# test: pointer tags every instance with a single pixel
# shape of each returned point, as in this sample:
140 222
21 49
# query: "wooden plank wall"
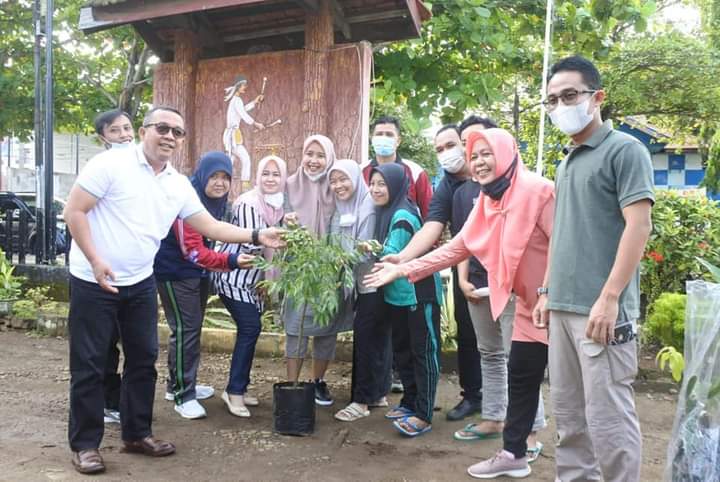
347 103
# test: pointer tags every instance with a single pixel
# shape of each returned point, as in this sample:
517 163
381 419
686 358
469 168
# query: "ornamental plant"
666 321
313 273
684 228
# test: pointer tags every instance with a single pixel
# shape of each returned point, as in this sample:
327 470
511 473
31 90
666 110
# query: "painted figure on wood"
237 113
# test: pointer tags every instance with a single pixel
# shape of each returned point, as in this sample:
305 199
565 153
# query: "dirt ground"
33 422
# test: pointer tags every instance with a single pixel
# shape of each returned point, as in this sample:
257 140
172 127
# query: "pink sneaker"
504 463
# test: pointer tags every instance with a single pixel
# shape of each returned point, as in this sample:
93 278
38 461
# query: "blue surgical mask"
383 145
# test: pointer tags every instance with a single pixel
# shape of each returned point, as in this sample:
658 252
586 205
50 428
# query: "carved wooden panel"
347 90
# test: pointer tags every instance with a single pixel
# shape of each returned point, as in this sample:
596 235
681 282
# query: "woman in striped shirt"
256 209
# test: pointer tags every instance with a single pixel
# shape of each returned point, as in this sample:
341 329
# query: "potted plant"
313 272
9 285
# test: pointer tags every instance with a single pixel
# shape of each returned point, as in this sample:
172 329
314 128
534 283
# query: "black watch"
255 236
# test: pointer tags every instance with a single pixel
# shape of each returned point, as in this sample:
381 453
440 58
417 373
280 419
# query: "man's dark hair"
576 63
104 119
472 120
448 127
386 119
149 114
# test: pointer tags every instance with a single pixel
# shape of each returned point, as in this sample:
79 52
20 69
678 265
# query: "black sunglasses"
162 129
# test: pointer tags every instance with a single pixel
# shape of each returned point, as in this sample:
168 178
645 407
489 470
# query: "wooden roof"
234 27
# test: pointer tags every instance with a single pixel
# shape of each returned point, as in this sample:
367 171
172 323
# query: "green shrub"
666 322
684 228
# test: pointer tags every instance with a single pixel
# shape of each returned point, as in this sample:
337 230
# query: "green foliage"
684 228
35 300
9 283
714 270
673 359
666 321
25 310
312 273
91 73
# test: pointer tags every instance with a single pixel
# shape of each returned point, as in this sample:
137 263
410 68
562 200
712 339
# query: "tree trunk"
319 38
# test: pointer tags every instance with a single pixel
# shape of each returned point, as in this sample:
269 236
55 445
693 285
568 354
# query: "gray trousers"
184 306
593 403
494 339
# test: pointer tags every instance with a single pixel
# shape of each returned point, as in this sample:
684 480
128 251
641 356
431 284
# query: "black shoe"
322 394
396 386
464 409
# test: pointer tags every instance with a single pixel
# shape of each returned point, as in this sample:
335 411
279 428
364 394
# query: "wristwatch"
542 290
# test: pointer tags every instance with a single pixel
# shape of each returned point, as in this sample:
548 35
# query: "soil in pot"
294 408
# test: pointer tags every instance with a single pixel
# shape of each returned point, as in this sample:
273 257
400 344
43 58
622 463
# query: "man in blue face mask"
385 141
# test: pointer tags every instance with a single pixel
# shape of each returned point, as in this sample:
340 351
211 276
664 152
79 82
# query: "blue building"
675 166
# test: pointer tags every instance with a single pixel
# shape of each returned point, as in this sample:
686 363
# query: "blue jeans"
247 319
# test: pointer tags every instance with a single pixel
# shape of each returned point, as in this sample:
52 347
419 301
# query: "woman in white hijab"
354 221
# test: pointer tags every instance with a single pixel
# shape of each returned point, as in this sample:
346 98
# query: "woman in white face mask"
256 209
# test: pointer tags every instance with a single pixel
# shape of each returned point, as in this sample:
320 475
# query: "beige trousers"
593 403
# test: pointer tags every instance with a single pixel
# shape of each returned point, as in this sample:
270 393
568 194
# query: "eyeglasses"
569 97
162 129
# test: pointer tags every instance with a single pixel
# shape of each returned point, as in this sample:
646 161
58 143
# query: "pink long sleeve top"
528 278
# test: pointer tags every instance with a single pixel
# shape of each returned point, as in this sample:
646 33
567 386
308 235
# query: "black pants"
416 348
93 312
468 356
372 350
184 303
525 375
112 382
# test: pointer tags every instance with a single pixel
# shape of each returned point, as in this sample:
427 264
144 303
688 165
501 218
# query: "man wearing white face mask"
385 141
115 130
590 294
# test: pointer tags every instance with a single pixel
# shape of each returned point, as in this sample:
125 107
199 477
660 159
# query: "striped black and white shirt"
239 284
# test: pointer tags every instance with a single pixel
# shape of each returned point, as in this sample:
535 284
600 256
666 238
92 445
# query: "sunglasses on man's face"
163 129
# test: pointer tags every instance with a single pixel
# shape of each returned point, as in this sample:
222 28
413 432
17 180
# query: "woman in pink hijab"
311 199
509 232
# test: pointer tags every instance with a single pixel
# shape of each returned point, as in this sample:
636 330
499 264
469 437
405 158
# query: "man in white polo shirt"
119 210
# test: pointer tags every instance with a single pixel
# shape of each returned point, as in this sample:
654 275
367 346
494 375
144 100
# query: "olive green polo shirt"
597 179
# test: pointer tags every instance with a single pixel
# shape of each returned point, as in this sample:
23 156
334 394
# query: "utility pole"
38 128
49 224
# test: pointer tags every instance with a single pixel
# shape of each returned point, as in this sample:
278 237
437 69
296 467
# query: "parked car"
25 201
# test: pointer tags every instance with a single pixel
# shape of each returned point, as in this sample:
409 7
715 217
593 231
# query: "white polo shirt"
134 212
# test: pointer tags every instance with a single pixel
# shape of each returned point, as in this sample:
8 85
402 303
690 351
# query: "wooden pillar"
180 95
319 39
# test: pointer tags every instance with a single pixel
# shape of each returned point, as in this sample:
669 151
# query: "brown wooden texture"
180 93
347 99
319 39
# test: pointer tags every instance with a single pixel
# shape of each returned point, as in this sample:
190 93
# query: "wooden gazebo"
314 55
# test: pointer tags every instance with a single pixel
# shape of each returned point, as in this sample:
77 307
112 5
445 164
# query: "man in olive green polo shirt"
591 295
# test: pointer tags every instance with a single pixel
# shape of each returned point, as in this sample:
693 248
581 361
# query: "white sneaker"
504 463
191 409
202 392
111 416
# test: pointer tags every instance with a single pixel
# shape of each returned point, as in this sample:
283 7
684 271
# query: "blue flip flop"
416 430
404 412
